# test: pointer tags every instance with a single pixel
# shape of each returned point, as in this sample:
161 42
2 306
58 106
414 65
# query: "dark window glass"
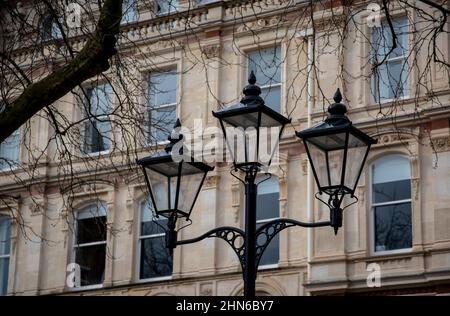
5 248
90 246
268 208
92 264
272 253
391 184
155 258
393 227
91 230
392 191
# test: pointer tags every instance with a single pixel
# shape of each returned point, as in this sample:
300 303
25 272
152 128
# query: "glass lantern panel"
318 163
168 169
243 120
268 121
159 189
355 158
334 165
329 142
242 144
189 186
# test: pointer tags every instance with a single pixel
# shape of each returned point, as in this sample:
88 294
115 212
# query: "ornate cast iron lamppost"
175 184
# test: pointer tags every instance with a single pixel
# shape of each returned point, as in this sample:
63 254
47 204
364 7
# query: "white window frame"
372 206
100 117
8 256
266 220
156 108
75 246
266 87
138 252
14 166
404 57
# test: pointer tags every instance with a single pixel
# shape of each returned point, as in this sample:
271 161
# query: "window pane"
162 88
382 39
5 235
390 79
97 127
268 205
393 227
391 179
272 253
91 230
9 150
155 258
161 123
148 221
391 168
4 270
391 191
92 264
272 97
266 64
91 224
96 137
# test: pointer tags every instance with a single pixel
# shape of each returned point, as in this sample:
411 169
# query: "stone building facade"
406 234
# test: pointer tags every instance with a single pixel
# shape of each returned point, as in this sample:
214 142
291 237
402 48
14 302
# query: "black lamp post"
337 152
175 184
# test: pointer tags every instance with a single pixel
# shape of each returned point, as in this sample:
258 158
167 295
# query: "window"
5 248
268 209
129 11
389 80
50 29
162 90
266 64
155 259
391 203
90 244
166 6
9 151
97 126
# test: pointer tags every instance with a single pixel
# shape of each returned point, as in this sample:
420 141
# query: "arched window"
391 204
154 258
90 243
5 250
268 209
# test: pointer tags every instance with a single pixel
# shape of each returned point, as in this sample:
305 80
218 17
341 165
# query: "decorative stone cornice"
441 144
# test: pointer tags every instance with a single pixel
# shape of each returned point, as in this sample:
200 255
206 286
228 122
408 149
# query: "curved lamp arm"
230 234
270 229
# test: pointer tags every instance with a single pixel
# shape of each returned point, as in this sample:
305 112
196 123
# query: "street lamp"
337 151
246 127
174 184
174 178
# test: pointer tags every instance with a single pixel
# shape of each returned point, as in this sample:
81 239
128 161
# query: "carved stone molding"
387 139
441 144
211 182
211 50
261 24
206 289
